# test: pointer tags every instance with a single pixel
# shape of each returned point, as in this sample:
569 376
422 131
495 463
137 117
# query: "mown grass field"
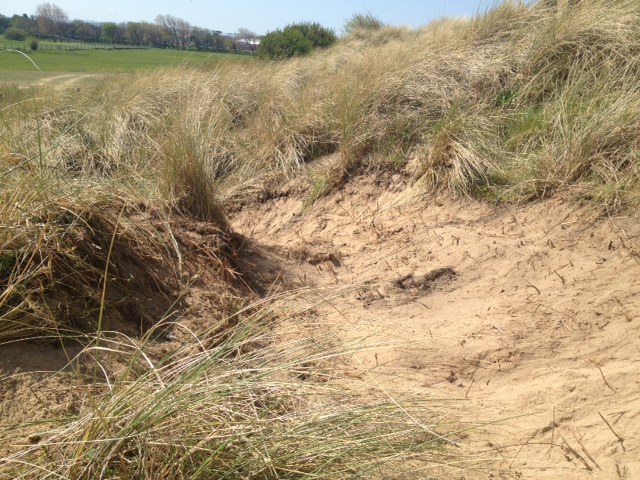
16 68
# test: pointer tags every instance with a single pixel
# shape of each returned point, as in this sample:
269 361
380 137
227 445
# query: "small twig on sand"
569 449
631 247
561 277
620 439
533 286
466 394
582 447
605 380
624 311
518 453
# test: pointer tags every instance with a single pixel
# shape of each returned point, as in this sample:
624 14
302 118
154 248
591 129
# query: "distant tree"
52 20
134 33
142 33
5 22
120 29
218 40
153 34
205 39
24 22
249 39
86 31
13 33
199 38
74 29
285 43
109 30
295 39
178 30
229 44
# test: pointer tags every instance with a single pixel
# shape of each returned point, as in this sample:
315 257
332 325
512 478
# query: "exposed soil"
161 268
528 316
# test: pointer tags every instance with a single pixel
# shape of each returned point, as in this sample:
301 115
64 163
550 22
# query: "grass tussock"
209 411
82 209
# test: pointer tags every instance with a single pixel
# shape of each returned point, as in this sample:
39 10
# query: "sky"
259 16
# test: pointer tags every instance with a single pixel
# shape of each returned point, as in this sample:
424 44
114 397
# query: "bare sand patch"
528 315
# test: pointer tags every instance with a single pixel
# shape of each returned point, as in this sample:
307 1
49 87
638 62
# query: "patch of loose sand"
52 80
529 315
68 80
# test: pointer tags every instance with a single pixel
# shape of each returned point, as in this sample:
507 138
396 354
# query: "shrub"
15 34
33 44
284 44
318 35
295 39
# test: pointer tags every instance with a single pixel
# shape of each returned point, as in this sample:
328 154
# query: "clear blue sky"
257 15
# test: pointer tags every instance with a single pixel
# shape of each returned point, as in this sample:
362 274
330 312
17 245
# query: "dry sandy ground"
61 81
67 80
527 316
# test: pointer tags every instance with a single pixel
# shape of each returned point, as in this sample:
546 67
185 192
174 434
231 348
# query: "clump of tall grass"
88 199
91 256
460 152
238 405
362 21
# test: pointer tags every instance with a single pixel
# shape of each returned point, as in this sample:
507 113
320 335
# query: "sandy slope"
529 315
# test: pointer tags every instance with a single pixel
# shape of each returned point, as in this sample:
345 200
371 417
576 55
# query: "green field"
16 68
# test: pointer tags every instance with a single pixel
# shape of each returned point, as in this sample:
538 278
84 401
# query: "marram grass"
247 404
445 99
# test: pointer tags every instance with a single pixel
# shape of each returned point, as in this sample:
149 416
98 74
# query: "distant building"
247 44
